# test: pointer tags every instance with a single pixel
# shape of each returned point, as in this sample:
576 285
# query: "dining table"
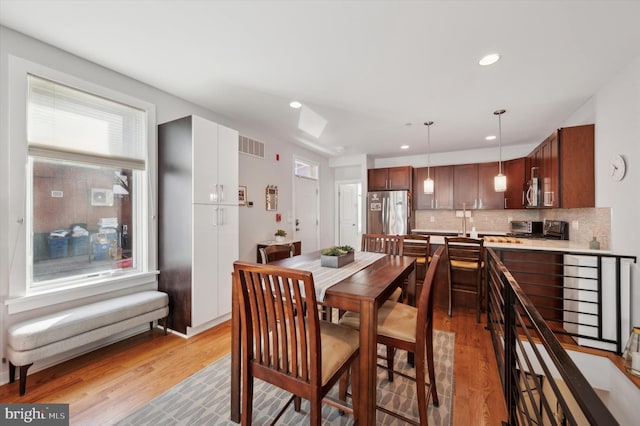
357 289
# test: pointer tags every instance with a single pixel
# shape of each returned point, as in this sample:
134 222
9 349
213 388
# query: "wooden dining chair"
465 258
288 347
417 246
276 252
409 328
389 244
382 243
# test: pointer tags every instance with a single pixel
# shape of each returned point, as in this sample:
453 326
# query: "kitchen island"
537 264
437 238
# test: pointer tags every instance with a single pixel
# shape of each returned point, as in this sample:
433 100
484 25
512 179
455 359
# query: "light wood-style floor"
106 385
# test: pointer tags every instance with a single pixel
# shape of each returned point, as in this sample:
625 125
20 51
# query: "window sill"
47 298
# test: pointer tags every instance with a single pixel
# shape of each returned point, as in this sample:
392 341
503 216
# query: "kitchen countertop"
522 244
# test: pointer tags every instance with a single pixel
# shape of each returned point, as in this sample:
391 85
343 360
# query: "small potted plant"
280 234
337 256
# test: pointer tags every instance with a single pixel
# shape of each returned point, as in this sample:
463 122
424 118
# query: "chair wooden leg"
478 295
391 351
355 381
247 398
315 410
420 388
450 291
431 368
343 385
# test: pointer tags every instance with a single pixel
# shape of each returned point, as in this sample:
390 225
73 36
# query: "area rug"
204 398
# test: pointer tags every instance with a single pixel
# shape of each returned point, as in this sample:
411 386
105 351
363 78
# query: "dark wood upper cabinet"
577 166
565 162
443 187
488 198
442 197
390 178
465 186
514 171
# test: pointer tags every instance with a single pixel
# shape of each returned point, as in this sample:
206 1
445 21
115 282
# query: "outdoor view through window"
81 219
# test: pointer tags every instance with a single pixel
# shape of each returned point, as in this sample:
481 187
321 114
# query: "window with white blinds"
67 123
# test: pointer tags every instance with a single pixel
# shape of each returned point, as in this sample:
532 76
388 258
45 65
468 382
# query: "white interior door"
306 219
349 208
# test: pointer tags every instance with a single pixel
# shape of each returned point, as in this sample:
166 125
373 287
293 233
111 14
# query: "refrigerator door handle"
384 214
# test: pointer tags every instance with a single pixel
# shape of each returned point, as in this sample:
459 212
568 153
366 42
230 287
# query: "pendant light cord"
428 124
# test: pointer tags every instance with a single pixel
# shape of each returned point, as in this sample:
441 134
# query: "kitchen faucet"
464 219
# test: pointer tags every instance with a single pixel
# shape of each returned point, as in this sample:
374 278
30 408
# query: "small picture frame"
242 195
101 197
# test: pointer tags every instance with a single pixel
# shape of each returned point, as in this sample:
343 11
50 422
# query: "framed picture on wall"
101 197
242 195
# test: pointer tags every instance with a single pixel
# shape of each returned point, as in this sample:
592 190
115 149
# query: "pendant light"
428 182
500 180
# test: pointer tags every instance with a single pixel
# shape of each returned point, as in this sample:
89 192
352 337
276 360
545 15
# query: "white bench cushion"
58 326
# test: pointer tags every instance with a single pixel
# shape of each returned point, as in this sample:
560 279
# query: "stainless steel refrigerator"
389 212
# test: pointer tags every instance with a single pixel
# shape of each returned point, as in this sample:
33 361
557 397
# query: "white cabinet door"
204 296
228 165
227 254
205 160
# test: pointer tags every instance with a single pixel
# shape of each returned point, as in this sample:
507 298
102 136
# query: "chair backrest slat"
382 243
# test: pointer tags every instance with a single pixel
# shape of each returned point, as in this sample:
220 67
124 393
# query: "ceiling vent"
251 147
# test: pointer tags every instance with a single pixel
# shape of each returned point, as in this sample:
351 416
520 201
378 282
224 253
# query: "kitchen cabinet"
442 197
577 166
465 186
473 186
514 170
566 164
488 198
390 178
198 230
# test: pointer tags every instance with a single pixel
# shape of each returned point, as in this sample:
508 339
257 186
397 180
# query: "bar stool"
418 246
383 243
465 256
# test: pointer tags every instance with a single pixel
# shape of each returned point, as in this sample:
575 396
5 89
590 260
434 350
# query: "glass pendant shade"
500 183
500 180
428 182
428 186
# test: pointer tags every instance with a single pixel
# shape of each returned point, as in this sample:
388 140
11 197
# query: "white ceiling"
367 67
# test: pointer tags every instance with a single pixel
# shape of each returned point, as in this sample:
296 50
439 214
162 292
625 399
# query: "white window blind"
66 123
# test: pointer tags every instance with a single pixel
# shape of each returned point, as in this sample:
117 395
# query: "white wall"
617 113
256 223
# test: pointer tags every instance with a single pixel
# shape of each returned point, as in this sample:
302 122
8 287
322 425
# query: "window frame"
21 296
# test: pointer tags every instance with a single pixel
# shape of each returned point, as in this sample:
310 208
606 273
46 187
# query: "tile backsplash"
584 223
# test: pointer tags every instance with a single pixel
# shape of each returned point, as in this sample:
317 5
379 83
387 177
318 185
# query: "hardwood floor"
104 386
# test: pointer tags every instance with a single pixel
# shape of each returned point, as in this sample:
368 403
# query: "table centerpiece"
337 256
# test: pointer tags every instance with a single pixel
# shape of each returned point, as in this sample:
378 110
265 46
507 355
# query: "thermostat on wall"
56 194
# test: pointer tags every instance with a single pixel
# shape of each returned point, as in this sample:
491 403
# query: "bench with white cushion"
52 334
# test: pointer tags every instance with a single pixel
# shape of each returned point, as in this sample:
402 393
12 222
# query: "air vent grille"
250 146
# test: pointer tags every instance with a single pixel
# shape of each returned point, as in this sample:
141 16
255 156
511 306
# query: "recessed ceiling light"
489 59
404 147
490 138
295 104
